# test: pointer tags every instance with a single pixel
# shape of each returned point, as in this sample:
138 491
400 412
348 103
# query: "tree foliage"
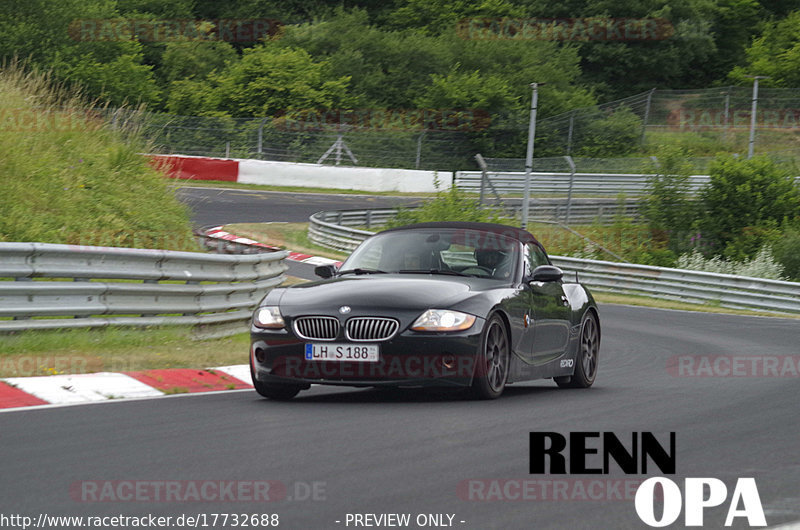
745 203
669 207
403 53
776 53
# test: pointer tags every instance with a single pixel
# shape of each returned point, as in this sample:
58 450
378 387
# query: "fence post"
484 167
260 149
419 149
647 113
569 134
569 191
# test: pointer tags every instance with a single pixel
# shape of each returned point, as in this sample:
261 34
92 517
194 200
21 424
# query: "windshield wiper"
361 271
432 271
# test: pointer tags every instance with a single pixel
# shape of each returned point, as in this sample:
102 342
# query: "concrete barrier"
272 173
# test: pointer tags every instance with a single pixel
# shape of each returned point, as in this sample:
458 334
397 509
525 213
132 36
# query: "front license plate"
360 353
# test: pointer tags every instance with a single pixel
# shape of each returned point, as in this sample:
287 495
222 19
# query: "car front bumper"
409 359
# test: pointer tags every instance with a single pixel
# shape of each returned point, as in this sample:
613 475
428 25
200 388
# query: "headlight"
268 317
443 320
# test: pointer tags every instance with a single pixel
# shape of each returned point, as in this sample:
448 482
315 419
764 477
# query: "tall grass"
69 175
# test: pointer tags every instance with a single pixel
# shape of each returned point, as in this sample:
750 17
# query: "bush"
787 252
669 208
744 203
616 134
449 205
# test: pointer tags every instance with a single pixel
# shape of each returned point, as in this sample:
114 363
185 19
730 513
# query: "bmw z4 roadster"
472 305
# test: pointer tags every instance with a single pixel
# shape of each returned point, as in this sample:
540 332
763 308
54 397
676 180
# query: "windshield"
436 251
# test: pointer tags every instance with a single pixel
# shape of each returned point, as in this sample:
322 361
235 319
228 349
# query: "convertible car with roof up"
473 305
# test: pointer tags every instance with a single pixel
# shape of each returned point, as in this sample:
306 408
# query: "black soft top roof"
509 231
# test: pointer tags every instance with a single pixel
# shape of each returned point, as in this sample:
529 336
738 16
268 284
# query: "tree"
775 54
195 60
63 37
268 81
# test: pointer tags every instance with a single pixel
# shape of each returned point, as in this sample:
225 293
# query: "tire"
277 392
493 359
587 358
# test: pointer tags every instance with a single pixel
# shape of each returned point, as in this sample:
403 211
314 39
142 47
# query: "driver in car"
496 261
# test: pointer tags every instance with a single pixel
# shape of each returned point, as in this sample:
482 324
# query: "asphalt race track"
218 205
407 452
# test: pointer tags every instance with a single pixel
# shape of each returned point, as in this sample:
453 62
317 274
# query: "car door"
550 310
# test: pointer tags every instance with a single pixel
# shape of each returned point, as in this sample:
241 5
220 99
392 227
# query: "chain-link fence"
632 165
720 119
709 120
261 138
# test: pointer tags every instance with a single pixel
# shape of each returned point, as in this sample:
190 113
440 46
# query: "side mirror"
325 271
547 273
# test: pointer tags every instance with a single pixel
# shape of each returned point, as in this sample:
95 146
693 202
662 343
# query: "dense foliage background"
400 53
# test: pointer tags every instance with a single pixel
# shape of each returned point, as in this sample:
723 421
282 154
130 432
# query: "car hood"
379 293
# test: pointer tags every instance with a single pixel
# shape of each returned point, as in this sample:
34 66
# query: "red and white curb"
218 233
16 392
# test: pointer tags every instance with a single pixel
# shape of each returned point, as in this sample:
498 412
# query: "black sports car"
476 305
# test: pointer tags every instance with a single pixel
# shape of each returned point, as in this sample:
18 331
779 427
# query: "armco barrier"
725 290
738 292
102 286
631 185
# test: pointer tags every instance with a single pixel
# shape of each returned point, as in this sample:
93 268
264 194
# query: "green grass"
289 236
68 176
115 349
712 142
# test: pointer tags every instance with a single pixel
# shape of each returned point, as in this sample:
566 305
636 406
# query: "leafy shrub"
617 134
448 205
669 208
745 202
787 252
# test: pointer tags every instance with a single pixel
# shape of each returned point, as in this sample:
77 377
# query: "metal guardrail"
333 229
633 185
737 292
50 286
725 290
580 211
